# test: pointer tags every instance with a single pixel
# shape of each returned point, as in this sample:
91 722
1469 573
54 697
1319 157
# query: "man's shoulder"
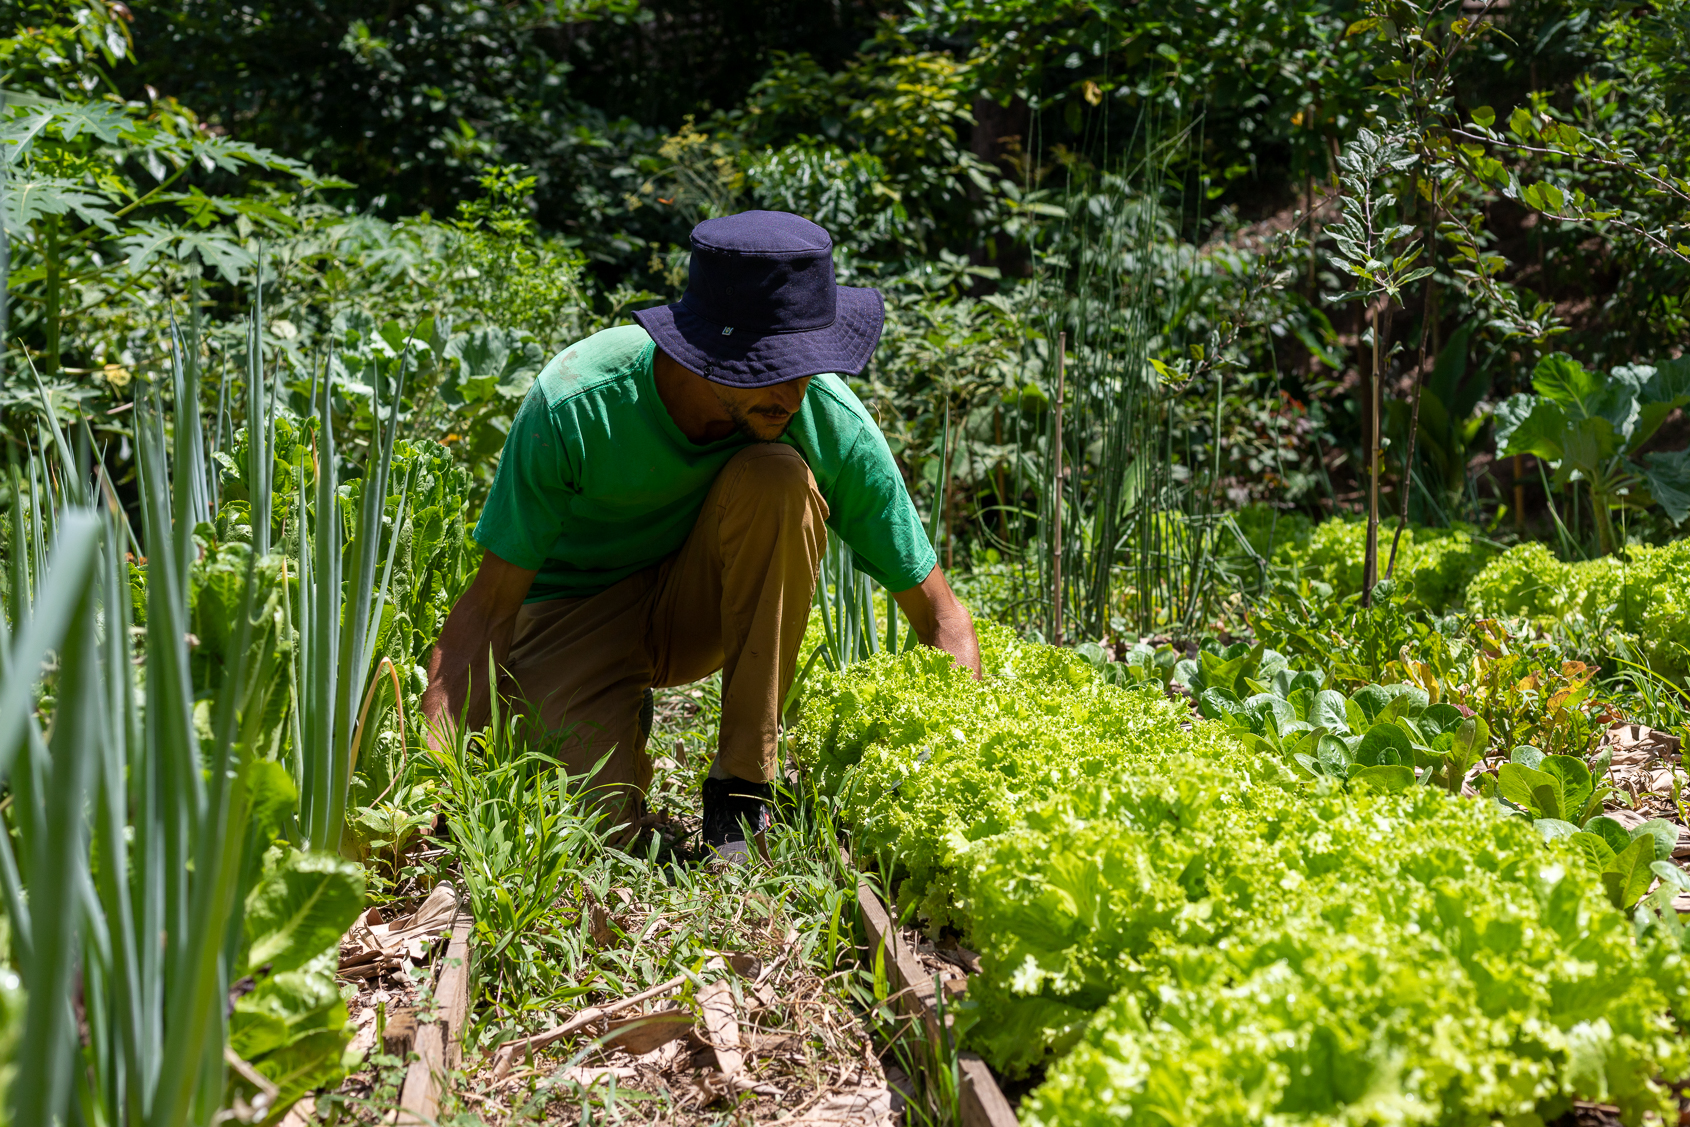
594 363
839 409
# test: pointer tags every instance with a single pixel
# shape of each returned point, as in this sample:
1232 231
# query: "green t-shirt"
597 482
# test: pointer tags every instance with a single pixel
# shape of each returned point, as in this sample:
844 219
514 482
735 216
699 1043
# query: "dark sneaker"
731 805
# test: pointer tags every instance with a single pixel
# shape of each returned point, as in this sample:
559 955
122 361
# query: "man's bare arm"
940 619
482 620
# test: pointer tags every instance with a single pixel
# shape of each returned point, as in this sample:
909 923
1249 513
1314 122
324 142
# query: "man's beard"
745 423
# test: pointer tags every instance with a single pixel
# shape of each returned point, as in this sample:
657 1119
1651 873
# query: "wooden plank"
439 1043
983 1102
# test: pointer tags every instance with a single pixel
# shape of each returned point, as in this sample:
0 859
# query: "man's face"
762 413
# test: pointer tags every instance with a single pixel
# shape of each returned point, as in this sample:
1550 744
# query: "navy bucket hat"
762 307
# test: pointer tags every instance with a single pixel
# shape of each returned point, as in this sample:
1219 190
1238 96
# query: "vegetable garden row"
1330 902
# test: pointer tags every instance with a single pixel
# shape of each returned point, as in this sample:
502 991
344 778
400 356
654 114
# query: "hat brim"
744 359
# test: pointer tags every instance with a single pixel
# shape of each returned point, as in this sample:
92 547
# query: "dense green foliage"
1433 565
925 760
1642 593
1352 954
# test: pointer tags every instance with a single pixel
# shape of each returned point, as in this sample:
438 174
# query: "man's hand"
940 619
482 621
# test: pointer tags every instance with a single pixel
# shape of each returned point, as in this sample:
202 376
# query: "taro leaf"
1553 829
1385 743
1526 755
1668 475
1671 874
301 907
1328 709
1609 831
1596 849
1536 792
1441 718
1530 424
1220 704
1664 833
1576 784
1628 876
1389 777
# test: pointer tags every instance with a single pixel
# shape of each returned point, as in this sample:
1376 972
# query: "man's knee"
770 469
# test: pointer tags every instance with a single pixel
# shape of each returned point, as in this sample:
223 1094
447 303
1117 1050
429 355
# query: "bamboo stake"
1370 568
1056 493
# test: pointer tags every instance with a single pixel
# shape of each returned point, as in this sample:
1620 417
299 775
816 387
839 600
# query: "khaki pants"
736 597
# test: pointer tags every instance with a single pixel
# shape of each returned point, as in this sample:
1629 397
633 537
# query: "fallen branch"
508 1052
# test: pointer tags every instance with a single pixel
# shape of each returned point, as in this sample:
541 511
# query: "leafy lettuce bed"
1184 933
1646 595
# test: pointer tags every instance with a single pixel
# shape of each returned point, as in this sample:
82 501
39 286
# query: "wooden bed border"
983 1102
439 1043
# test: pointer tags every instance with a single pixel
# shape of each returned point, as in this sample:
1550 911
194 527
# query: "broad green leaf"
312 1062
1609 831
1668 475
300 907
272 796
1373 699
1671 874
1328 710
1471 737
1536 792
1553 829
1526 755
1440 718
1596 849
1530 424
1220 704
1386 777
1385 743
1563 380
1628 876
1576 785
1663 833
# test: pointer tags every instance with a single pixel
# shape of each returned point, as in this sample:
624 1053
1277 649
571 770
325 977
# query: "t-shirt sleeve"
524 513
873 514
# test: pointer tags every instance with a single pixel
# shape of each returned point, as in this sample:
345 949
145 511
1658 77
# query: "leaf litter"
701 993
